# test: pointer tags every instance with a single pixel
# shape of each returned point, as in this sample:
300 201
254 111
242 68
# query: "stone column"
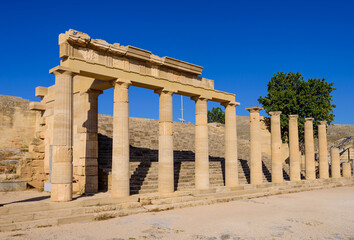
201 143
85 145
120 148
62 170
295 161
255 146
309 150
335 163
166 172
347 170
323 151
277 165
231 161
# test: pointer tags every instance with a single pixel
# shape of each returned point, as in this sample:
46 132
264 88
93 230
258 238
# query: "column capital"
91 91
275 113
323 123
254 109
58 70
308 119
293 116
165 90
200 97
122 82
233 104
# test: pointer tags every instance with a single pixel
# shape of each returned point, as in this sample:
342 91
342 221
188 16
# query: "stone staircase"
9 163
144 161
21 215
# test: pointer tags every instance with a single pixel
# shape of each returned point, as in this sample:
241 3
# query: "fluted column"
295 158
335 163
120 148
309 150
255 146
165 173
323 151
347 170
201 144
62 168
231 161
277 166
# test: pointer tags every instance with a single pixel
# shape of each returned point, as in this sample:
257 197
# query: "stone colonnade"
97 66
84 169
294 153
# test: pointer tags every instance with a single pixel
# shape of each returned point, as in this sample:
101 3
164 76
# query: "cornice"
80 39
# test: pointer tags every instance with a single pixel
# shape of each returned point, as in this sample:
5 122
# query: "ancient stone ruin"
77 150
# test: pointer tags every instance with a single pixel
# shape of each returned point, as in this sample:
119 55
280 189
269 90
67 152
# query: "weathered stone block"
13 185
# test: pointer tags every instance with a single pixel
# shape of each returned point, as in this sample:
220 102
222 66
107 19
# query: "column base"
61 192
119 194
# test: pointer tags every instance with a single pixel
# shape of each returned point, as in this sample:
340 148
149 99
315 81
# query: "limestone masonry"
74 149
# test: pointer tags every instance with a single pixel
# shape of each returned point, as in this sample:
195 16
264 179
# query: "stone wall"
21 151
17 122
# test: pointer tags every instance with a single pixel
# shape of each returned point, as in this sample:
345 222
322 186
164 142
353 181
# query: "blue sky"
240 44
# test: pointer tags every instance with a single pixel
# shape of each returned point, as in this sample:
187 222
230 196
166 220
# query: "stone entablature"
79 46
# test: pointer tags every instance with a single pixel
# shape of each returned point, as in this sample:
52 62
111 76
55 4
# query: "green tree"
216 115
291 94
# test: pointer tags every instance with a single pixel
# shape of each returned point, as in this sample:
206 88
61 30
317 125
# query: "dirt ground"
322 214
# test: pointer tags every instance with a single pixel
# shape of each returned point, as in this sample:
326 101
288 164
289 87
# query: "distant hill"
337 131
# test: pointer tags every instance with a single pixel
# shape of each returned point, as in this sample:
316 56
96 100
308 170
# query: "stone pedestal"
231 161
166 173
277 166
295 157
85 144
323 151
255 146
201 144
309 150
335 163
120 154
347 170
62 170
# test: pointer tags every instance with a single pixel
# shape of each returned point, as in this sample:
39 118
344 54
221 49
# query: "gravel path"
322 214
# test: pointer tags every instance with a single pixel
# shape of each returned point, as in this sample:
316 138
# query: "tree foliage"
291 94
216 115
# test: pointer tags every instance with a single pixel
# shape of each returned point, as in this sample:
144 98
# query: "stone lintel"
41 91
61 69
37 106
254 109
295 116
309 119
275 113
104 73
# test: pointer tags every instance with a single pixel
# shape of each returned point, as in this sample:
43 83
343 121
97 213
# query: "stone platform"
23 214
